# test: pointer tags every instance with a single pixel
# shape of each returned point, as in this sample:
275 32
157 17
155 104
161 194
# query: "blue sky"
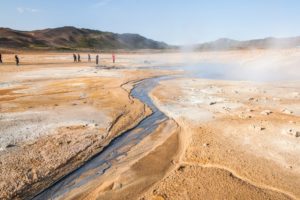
172 21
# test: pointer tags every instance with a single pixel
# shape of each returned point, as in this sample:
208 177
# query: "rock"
245 116
249 110
291 132
181 168
212 103
227 108
266 112
10 145
258 128
205 145
286 111
117 186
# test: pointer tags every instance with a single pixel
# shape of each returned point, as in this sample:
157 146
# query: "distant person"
113 57
78 58
17 60
0 58
89 57
97 59
75 58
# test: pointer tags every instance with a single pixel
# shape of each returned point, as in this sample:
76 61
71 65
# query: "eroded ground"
248 146
223 139
56 116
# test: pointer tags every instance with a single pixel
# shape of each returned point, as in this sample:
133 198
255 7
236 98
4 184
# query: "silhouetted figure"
97 59
78 58
113 57
89 57
75 58
0 58
17 60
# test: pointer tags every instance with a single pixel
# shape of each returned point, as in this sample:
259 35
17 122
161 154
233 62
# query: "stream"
118 147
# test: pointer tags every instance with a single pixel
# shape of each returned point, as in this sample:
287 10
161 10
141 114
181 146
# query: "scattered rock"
10 145
258 128
227 108
212 103
117 186
205 145
266 112
249 110
181 168
291 132
286 111
245 116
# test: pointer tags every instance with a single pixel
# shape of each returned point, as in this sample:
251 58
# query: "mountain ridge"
72 38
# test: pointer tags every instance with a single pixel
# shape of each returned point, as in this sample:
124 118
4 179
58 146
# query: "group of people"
16 59
77 58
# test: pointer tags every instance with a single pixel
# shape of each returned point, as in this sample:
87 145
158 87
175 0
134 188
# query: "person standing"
89 57
97 59
17 60
75 58
0 58
113 57
78 57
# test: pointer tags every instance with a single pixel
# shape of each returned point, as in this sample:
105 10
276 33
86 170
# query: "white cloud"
22 10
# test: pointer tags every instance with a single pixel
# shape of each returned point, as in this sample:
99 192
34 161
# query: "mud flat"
221 139
248 146
56 116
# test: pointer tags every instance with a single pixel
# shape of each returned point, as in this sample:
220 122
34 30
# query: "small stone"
286 111
266 112
212 103
205 145
291 132
117 186
181 168
258 128
10 145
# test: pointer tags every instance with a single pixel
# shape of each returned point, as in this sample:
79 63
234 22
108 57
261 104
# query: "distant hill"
266 43
71 38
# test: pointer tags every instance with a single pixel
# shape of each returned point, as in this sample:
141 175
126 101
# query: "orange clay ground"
224 139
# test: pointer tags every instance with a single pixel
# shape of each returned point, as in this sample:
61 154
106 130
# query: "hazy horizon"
175 22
